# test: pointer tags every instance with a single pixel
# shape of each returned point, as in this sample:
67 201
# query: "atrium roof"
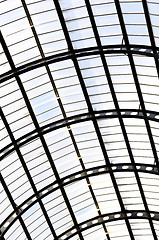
79 119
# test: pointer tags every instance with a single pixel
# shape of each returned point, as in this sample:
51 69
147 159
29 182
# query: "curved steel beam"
125 113
106 49
105 218
80 175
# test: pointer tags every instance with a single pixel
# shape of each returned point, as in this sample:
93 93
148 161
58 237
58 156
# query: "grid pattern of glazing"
79 119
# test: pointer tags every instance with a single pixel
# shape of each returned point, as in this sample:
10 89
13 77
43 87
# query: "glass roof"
79 119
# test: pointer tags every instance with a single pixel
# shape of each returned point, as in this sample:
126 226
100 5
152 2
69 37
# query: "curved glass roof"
79 119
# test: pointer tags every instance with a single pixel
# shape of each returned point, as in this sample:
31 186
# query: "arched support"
96 171
125 113
106 49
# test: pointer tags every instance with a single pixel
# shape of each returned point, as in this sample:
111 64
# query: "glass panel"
78 123
105 193
78 23
139 141
107 22
135 22
140 225
58 212
118 230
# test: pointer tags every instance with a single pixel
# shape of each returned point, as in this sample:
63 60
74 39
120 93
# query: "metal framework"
79 119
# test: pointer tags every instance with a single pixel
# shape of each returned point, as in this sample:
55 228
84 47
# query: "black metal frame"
91 115
67 122
84 174
106 49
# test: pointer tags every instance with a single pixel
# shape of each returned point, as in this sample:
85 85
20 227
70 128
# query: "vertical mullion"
116 104
2 238
15 208
152 40
132 64
6 188
91 110
40 136
61 106
139 92
27 172
107 73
